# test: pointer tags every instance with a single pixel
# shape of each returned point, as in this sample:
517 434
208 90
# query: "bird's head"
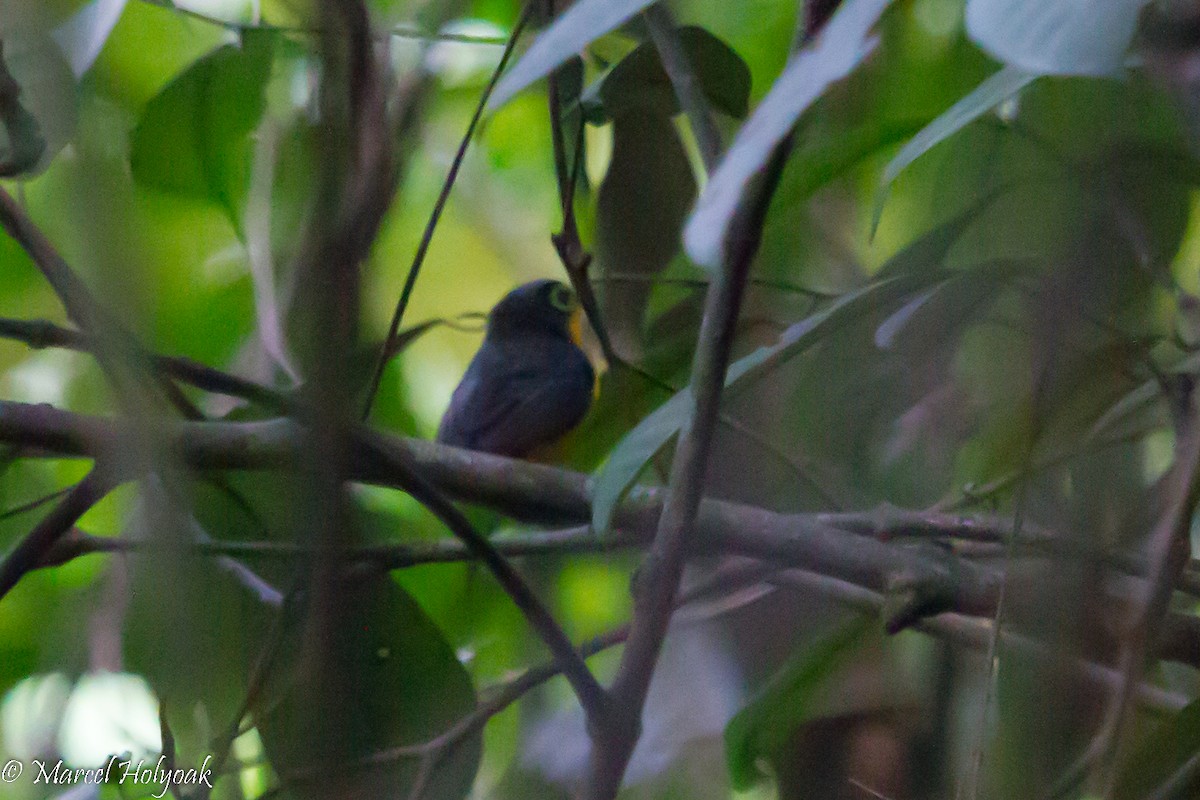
538 307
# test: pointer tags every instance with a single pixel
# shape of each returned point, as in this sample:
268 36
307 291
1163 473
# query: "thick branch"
524 491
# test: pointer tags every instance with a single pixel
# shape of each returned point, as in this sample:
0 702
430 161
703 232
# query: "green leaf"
978 102
890 328
1163 755
638 82
224 623
583 22
644 199
193 138
928 254
816 166
1055 37
41 120
840 48
761 728
394 681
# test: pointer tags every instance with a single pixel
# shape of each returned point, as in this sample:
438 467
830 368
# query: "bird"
530 382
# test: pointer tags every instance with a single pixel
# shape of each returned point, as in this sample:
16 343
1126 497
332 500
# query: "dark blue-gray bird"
529 383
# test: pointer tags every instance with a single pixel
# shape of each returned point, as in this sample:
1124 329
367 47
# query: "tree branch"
385 556
591 694
28 554
524 491
661 572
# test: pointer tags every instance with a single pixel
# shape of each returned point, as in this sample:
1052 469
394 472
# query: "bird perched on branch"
530 383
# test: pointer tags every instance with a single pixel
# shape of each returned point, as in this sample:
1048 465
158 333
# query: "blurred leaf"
193 138
761 728
842 45
626 460
928 254
216 627
1166 163
23 144
644 200
982 99
1055 37
916 266
82 37
638 446
41 120
363 360
398 683
1165 752
639 83
1187 321
933 319
831 159
1132 410
583 22
885 334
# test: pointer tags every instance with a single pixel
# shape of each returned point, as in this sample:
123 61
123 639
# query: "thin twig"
501 697
1179 781
575 258
32 505
257 682
702 283
402 32
435 216
803 468
579 539
977 756
74 294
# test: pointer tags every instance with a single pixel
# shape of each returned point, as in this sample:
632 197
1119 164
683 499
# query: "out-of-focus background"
1043 247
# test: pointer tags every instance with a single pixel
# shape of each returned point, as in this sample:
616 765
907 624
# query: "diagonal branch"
663 568
591 694
76 298
28 554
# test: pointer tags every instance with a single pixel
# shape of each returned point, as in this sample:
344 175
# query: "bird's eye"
562 298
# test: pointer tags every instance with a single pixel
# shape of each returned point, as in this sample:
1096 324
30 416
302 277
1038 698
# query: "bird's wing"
540 414
499 408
